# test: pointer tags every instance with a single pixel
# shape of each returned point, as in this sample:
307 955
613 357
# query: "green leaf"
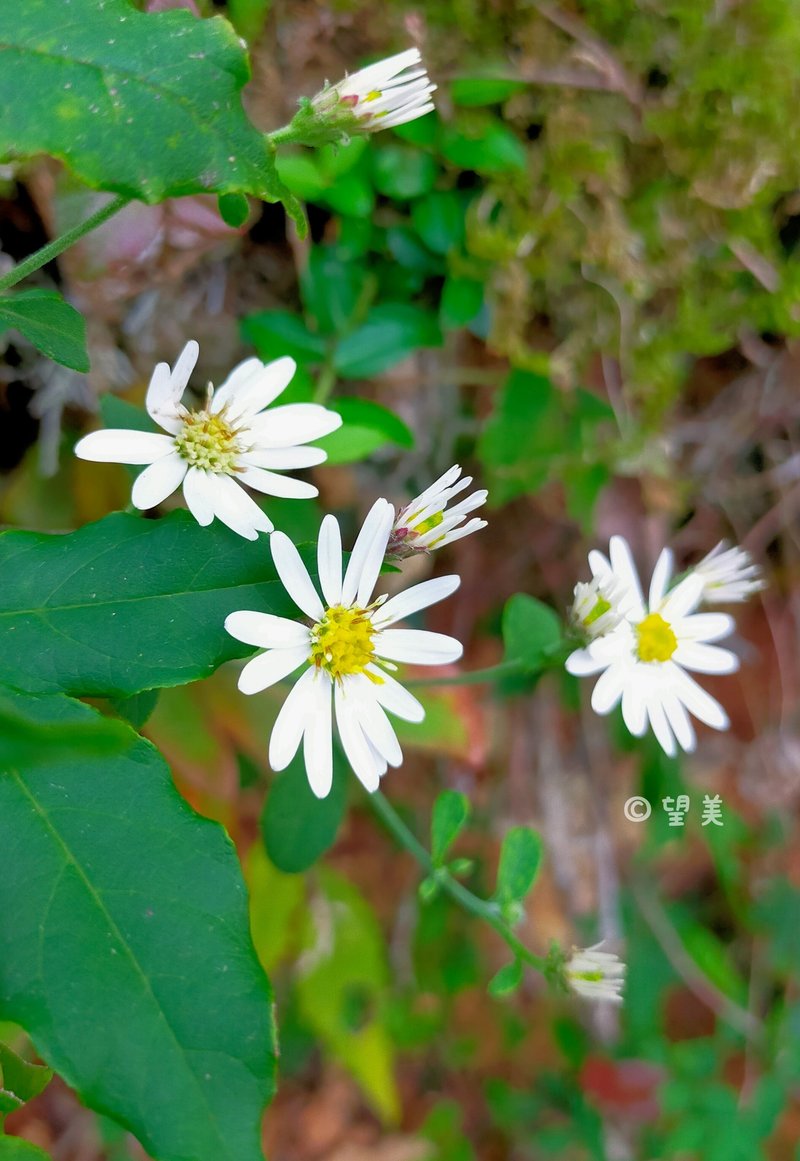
462 300
450 812
531 632
127 956
145 104
490 147
366 427
19 1081
402 173
248 17
136 709
234 209
48 322
507 980
391 332
278 332
297 827
439 219
351 194
127 604
15 1149
520 856
471 91
340 985
332 288
299 173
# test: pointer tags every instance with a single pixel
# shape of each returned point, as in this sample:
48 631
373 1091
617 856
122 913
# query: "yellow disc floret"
341 643
600 608
429 524
655 639
208 441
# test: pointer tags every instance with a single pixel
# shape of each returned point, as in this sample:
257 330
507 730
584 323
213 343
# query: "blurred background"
579 279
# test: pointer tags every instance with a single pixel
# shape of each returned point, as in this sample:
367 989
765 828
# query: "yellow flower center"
429 524
374 95
655 639
590 976
601 607
341 643
208 441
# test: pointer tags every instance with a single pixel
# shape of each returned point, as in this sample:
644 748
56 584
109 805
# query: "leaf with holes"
126 948
145 104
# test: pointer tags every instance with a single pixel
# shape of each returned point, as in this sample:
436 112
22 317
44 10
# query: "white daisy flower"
230 441
424 524
387 93
600 604
729 575
644 661
345 652
596 974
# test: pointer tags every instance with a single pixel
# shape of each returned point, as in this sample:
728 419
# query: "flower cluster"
233 439
596 974
644 650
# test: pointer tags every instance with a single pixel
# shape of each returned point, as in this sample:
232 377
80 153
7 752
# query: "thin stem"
483 909
476 677
326 381
62 243
282 135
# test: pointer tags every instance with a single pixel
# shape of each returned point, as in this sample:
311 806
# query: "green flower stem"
484 909
62 243
476 677
326 381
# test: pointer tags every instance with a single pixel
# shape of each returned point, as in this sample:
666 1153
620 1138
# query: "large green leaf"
127 604
124 944
147 105
298 827
53 326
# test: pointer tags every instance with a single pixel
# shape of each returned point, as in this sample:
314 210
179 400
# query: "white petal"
683 599
380 762
234 507
697 701
634 712
437 487
158 481
250 393
660 579
375 556
374 723
294 423
622 564
451 537
291 722
198 492
679 721
318 736
119 446
266 631
294 575
267 668
704 658
598 563
582 663
355 746
276 485
608 689
417 597
184 365
283 459
394 697
163 396
661 728
706 626
329 560
417 646
376 526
